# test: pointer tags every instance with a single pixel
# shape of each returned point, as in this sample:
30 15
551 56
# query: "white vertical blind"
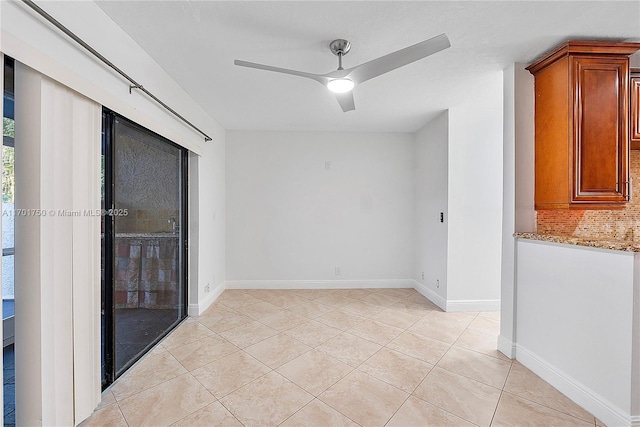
57 252
87 127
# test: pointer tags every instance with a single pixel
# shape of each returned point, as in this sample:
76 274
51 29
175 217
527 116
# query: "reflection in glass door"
144 281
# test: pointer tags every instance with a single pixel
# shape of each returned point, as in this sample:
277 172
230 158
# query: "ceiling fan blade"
320 79
384 64
346 101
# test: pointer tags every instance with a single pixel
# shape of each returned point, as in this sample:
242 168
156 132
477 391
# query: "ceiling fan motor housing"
340 47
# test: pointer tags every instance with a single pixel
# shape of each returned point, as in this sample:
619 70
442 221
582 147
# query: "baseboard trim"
193 310
430 295
506 347
461 305
604 410
635 421
318 284
473 305
201 307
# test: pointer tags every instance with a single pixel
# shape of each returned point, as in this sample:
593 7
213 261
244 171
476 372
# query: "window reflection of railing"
8 253
7 285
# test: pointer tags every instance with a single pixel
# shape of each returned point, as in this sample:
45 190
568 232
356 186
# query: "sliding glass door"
144 245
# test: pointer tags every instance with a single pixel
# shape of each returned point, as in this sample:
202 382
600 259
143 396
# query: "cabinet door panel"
635 111
599 128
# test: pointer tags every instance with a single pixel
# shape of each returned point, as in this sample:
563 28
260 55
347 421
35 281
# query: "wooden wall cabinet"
582 126
634 117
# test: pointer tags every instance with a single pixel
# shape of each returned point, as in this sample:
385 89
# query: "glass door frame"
109 118
8 321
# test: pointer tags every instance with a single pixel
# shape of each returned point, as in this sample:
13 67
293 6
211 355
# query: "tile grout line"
495 411
299 409
199 409
436 365
337 410
246 384
549 407
443 409
409 394
150 387
540 403
229 411
122 413
466 376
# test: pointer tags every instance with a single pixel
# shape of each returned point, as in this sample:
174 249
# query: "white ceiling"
197 41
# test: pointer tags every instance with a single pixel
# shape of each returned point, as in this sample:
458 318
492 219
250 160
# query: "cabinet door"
600 135
634 118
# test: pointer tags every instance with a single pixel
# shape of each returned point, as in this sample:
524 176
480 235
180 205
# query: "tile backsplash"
618 224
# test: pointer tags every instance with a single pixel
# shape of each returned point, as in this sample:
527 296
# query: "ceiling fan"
341 81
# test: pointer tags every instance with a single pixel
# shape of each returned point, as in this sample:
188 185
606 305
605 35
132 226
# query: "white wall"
506 340
431 198
518 185
525 219
376 212
289 218
208 224
574 323
475 198
459 171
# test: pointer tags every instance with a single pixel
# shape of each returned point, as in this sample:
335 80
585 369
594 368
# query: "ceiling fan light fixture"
342 85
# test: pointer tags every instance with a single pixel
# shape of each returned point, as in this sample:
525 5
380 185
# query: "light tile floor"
368 357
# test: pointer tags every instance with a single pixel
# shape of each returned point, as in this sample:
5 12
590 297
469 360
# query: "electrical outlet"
423 275
207 288
438 283
338 271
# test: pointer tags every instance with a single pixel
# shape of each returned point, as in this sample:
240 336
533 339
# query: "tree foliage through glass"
8 159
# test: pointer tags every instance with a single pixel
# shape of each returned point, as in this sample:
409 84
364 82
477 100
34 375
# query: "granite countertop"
617 245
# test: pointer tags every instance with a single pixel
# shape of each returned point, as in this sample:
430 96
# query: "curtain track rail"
133 84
